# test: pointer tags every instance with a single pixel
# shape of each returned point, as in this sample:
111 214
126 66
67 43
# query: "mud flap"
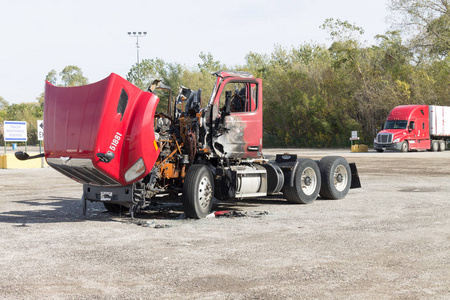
356 183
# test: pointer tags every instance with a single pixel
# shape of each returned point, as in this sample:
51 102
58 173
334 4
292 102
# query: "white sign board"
15 131
40 130
354 135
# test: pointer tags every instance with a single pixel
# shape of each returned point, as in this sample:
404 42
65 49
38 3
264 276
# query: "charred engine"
178 141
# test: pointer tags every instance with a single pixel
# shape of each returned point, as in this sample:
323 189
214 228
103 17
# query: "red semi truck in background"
125 149
415 127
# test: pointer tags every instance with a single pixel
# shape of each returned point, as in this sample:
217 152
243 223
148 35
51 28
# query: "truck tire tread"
434 145
405 146
193 193
328 166
296 194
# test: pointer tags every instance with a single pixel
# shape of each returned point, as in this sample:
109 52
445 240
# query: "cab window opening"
243 96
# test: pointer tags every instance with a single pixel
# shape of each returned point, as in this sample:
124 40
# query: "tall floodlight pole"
137 35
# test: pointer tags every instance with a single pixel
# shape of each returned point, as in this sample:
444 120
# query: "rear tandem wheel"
306 183
434 145
442 145
336 177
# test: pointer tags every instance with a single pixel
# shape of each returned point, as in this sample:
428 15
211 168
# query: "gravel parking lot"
388 240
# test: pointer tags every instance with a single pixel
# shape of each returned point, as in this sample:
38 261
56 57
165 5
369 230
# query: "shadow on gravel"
255 202
52 210
58 210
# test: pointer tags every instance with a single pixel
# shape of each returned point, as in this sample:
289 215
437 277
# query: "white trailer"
439 121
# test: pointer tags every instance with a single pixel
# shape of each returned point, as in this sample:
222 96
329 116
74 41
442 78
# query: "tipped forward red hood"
111 115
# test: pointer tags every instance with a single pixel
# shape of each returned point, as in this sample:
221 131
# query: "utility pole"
137 35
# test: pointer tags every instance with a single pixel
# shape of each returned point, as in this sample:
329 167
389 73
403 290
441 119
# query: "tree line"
33 111
315 95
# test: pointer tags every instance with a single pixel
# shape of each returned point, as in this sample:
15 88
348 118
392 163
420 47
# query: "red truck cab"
406 128
243 122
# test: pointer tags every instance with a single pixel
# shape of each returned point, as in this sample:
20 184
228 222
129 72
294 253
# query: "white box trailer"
439 121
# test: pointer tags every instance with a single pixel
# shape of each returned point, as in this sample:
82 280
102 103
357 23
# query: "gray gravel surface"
387 240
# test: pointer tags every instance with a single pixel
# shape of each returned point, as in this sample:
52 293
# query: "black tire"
404 147
306 183
336 177
379 150
198 192
434 145
442 145
114 208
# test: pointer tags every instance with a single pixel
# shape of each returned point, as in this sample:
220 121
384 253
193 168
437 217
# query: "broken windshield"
396 124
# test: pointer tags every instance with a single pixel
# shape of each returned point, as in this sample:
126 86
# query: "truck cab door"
412 129
237 118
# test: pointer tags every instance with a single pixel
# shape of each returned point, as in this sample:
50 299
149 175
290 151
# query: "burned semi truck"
125 149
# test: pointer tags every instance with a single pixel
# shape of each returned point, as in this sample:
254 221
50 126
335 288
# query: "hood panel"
111 115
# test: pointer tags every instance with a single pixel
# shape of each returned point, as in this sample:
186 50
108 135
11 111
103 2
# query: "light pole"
137 35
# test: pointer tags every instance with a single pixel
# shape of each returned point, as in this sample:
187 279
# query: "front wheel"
306 183
198 192
336 177
404 147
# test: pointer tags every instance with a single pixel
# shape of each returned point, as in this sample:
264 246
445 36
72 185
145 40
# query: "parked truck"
415 127
126 149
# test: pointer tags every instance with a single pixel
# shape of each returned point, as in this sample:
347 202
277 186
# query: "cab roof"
405 111
242 74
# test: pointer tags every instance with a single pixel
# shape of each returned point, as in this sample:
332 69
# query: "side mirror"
411 126
21 155
382 126
106 157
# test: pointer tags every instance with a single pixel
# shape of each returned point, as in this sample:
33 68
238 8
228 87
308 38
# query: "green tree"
70 76
208 63
29 112
3 109
342 30
52 77
428 24
40 100
394 55
257 64
3 113
143 74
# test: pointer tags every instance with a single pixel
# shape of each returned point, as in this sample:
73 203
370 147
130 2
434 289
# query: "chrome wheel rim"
309 181
204 193
340 178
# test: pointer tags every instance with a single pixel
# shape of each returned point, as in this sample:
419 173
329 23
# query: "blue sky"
38 36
